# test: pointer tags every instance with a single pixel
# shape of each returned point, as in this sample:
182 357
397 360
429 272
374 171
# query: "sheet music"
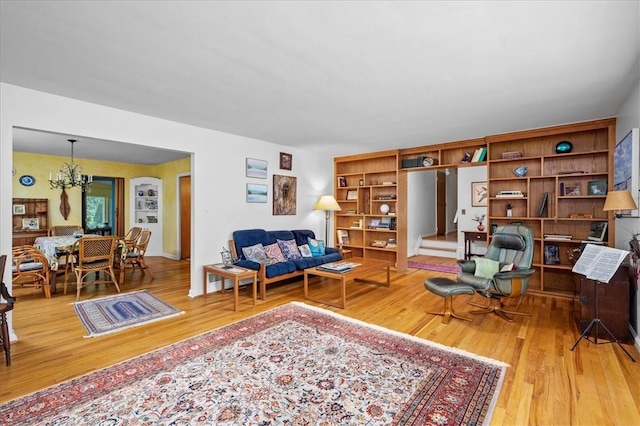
599 263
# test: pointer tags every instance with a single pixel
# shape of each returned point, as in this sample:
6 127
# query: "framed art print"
19 209
479 194
256 193
256 168
286 161
31 224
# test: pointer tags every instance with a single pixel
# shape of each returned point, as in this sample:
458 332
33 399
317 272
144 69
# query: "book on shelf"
543 204
511 154
598 231
483 154
598 262
558 237
510 194
356 224
476 155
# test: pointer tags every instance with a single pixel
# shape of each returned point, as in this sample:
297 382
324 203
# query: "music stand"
595 323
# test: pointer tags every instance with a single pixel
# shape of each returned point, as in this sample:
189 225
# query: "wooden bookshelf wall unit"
367 189
444 155
568 215
30 220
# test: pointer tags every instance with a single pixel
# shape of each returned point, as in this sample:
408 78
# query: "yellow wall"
39 166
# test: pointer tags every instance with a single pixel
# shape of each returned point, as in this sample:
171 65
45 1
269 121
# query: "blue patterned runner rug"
115 313
292 365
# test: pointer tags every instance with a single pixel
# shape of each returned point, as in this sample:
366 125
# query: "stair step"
441 248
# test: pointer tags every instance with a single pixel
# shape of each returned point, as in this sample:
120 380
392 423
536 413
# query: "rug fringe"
404 335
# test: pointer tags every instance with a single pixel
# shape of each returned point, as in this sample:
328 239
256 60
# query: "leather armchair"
510 244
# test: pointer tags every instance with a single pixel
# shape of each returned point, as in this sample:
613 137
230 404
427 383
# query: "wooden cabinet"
613 304
146 210
30 220
367 188
565 180
443 155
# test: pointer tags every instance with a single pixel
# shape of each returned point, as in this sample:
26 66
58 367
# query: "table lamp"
618 201
328 204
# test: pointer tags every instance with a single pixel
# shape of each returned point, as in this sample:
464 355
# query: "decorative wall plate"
27 180
384 208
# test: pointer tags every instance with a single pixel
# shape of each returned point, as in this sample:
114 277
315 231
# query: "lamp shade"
619 200
327 202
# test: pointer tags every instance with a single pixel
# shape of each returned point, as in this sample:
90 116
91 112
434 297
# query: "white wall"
218 168
421 206
467 175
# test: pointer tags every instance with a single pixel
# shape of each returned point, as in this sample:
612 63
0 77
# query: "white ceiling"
339 77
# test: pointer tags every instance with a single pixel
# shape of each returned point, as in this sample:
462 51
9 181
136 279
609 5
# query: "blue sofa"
270 273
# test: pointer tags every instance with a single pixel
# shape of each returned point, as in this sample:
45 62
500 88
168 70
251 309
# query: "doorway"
102 207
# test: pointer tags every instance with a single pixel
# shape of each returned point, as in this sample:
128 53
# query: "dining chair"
59 230
5 306
30 269
94 254
131 237
135 257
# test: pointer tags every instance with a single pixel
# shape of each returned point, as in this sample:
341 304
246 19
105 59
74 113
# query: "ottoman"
446 288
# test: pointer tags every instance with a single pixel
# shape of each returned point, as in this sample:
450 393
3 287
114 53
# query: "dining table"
53 247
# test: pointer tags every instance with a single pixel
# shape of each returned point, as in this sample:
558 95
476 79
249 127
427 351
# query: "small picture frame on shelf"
19 209
352 194
597 187
31 224
551 254
342 181
572 190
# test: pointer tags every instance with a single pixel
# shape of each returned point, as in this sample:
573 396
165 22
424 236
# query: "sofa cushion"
279 268
305 251
274 253
248 237
302 236
289 249
316 246
274 236
255 253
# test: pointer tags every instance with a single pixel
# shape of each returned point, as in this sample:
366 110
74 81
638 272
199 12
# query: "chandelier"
70 175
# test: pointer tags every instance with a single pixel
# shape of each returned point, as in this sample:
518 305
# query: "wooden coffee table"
365 266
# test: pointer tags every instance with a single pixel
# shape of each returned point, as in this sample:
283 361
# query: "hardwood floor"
545 384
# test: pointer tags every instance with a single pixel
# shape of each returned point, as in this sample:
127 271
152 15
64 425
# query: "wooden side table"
469 238
234 273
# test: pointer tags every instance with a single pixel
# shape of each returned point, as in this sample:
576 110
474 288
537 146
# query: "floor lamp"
328 204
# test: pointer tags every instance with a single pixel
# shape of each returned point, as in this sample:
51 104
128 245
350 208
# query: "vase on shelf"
480 227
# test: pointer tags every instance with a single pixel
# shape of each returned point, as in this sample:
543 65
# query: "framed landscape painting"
257 193
256 168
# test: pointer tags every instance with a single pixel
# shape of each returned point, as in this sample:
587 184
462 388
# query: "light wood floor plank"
546 383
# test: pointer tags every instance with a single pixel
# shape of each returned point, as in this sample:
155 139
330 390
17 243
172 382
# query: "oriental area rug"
293 365
116 313
449 269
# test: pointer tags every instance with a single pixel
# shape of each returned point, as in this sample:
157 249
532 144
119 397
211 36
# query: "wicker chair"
131 237
31 269
94 254
135 257
5 307
56 231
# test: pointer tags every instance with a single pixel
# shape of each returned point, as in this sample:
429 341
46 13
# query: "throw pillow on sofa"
305 251
289 249
316 246
274 253
255 253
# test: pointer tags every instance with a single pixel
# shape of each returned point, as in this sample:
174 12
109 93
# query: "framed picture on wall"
256 168
286 161
479 194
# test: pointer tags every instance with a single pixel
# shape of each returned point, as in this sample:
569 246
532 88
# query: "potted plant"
479 218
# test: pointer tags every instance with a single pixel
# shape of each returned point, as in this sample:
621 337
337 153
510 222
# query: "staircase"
439 248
